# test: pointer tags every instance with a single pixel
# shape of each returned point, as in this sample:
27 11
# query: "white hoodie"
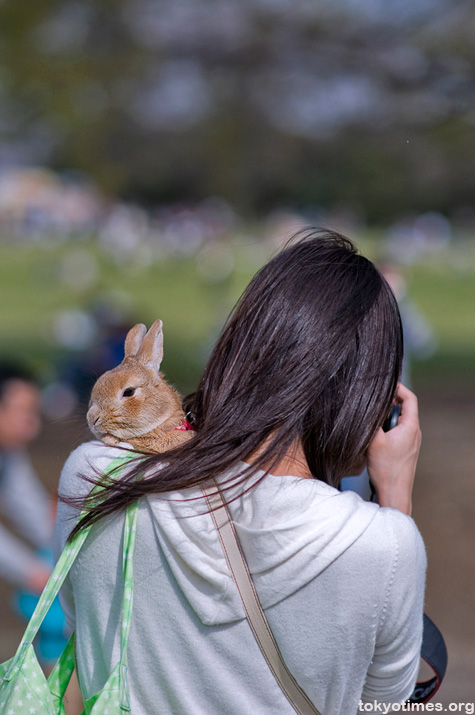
341 581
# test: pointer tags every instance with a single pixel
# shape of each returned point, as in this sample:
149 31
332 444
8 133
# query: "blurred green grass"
192 303
444 291
194 294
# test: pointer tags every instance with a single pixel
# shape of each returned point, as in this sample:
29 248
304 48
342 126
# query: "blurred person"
28 507
23 499
293 397
419 340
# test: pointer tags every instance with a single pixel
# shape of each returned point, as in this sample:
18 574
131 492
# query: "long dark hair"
311 352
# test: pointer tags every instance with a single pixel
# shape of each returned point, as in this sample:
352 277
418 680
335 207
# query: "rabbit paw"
110 440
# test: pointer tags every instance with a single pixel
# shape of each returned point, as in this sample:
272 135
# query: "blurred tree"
260 102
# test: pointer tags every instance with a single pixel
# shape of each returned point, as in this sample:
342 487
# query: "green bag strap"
127 600
61 570
63 669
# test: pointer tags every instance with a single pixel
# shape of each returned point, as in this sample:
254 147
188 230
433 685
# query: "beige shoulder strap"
252 607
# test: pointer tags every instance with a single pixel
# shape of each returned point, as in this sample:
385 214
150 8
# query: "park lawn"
447 298
194 303
193 306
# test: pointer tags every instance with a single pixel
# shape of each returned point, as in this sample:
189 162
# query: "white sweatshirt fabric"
341 581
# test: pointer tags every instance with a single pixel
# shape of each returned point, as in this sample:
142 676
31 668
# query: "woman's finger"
409 404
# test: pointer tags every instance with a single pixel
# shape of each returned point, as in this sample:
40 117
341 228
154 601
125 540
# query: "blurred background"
154 153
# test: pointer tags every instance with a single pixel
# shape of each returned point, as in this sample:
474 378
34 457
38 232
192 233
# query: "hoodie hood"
290 530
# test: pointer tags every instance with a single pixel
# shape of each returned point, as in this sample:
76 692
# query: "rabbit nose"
93 416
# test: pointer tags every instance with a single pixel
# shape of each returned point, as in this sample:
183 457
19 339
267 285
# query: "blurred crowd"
38 205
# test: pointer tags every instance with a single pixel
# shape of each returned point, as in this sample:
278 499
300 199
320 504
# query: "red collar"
185 426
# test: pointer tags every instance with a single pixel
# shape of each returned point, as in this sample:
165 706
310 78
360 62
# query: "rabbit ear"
151 349
134 339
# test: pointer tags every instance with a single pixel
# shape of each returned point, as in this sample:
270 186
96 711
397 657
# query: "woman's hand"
392 456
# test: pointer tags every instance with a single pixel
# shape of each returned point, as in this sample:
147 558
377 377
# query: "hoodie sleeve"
89 459
395 665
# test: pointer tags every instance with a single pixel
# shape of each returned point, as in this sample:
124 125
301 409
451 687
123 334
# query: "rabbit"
132 402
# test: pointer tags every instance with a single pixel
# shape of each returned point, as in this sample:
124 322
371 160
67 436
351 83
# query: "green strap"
128 575
62 671
62 568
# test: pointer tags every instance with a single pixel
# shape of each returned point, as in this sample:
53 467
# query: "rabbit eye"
128 392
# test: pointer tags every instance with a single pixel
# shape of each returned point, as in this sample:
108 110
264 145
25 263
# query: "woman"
292 399
23 498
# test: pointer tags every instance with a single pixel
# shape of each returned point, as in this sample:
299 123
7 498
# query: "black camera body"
391 420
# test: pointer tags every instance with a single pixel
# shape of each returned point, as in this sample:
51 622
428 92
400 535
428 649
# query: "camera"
391 420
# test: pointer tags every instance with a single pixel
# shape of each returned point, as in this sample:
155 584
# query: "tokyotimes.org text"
375 707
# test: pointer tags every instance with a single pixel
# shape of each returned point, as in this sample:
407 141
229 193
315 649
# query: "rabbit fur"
133 403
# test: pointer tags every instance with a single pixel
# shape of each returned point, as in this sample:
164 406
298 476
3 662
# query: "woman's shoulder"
401 524
390 535
391 530
90 459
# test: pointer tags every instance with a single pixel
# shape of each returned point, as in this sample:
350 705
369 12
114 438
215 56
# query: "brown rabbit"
132 402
